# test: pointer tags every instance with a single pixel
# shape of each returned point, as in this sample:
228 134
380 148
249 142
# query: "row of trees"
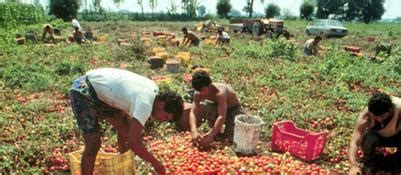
363 10
349 10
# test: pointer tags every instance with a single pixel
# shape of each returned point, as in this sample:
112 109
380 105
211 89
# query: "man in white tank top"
125 100
379 125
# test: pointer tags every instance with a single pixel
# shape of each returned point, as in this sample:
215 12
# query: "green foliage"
190 6
271 49
272 10
69 68
306 11
25 76
272 79
64 8
152 5
13 14
136 51
355 8
134 16
373 10
339 66
328 7
249 7
223 8
363 10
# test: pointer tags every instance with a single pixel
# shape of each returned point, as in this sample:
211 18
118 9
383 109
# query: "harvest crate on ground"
106 163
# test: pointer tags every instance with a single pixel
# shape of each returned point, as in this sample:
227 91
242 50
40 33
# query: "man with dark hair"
125 100
78 36
228 106
222 37
311 46
377 126
189 37
48 29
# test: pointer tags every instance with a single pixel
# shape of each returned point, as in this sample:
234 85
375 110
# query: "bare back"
224 90
191 36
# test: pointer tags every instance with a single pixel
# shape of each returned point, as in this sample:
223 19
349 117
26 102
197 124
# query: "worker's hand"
159 168
355 170
196 138
206 140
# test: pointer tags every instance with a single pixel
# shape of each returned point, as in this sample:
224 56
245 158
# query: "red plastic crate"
304 144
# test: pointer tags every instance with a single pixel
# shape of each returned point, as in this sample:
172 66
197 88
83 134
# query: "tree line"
347 10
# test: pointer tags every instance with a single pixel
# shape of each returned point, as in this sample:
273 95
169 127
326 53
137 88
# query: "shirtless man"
228 106
379 125
189 37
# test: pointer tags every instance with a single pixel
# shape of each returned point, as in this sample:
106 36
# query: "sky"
391 6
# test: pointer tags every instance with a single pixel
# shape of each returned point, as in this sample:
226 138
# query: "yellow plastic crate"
103 38
106 163
163 55
210 42
184 58
162 40
158 49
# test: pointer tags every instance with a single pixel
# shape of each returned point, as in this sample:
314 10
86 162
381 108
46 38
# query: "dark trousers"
377 162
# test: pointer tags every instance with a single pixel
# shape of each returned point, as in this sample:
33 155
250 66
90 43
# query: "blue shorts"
88 110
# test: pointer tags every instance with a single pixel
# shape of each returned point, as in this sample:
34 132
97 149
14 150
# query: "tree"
306 11
140 3
272 10
202 11
190 6
63 8
152 5
96 5
172 10
373 11
249 7
354 9
118 2
223 7
330 7
85 6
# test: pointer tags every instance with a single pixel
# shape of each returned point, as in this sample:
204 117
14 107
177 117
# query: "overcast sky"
391 6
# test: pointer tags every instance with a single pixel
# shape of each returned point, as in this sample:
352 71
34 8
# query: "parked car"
327 27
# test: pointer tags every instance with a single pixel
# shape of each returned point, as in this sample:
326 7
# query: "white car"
327 27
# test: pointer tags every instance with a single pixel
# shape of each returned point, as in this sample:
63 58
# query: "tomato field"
271 77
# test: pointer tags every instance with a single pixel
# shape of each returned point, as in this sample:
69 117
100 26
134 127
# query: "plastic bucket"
246 133
156 62
173 66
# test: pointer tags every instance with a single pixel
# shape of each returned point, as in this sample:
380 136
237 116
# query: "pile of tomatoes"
180 157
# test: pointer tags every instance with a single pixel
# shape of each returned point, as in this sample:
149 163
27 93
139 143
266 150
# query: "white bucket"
173 66
246 133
